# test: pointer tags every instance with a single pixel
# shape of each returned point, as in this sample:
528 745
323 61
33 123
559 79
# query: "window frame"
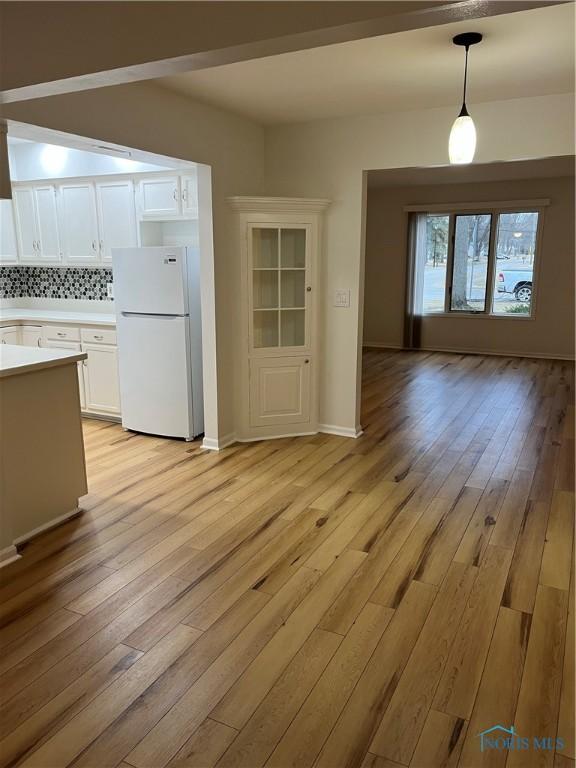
494 210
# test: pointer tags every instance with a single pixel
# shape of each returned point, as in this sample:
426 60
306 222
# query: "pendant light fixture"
462 142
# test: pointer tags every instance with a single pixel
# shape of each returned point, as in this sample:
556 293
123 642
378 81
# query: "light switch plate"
110 290
342 297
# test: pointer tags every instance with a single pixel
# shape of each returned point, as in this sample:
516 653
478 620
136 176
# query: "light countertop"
56 316
15 359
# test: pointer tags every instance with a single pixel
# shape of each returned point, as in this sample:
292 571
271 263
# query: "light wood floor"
316 601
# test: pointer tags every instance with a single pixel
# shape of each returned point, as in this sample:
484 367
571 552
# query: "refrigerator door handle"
148 314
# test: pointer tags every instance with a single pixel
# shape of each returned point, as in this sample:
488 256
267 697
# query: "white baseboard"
334 429
217 444
504 353
9 555
467 351
279 436
47 526
381 345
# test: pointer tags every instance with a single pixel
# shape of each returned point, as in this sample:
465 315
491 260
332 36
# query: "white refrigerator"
157 300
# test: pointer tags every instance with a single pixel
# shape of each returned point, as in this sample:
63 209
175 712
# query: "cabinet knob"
308 288
306 361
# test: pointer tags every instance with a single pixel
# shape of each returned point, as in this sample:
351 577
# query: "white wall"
146 117
326 159
33 160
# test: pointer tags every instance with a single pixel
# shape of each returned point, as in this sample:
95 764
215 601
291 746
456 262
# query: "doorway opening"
74 200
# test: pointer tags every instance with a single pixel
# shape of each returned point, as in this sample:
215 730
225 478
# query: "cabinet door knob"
306 361
308 288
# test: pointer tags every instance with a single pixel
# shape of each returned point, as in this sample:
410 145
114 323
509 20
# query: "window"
481 262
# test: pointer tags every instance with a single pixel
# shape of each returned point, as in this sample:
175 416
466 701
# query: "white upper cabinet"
79 223
8 246
37 223
48 245
26 224
189 195
160 197
116 216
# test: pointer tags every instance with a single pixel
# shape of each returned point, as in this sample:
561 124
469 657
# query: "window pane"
436 257
515 247
470 268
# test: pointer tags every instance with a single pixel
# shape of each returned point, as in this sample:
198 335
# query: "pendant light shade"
462 141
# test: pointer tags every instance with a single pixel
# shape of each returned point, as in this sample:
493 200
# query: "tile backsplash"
55 283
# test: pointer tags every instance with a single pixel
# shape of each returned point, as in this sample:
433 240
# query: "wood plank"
263 730
557 557
441 741
350 738
566 716
537 715
520 590
303 740
459 683
400 729
498 692
205 747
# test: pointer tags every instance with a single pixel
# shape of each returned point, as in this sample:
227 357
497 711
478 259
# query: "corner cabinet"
280 253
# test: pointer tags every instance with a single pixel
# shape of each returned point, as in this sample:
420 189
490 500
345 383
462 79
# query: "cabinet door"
78 222
30 336
116 216
101 378
189 192
48 241
10 335
8 247
279 391
280 291
26 228
160 198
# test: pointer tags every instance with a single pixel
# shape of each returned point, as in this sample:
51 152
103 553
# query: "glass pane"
515 248
265 328
435 260
292 288
470 268
265 289
292 323
293 248
265 248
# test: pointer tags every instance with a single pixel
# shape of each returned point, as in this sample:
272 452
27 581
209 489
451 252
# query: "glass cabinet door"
280 287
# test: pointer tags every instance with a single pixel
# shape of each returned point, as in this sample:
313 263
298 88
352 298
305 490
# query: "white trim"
9 555
101 416
218 443
500 353
257 438
481 206
381 345
279 204
47 526
334 429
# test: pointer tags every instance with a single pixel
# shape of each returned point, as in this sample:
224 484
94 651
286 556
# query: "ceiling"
527 53
541 168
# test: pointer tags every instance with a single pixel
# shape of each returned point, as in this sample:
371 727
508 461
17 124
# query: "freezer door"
155 390
150 280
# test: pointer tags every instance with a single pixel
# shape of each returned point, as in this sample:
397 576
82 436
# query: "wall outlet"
342 297
110 290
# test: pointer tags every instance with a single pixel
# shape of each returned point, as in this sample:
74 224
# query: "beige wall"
326 158
550 333
150 118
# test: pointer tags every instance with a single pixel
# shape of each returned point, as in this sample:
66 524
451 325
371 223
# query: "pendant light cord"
464 111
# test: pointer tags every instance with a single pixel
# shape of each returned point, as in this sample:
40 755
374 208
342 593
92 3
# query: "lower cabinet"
101 379
71 346
31 335
280 390
10 334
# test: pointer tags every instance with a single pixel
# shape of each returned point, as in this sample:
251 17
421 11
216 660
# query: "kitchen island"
42 467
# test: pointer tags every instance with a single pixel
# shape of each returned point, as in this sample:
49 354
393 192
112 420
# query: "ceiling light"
462 142
53 158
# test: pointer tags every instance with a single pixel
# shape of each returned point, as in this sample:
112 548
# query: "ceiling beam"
76 46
